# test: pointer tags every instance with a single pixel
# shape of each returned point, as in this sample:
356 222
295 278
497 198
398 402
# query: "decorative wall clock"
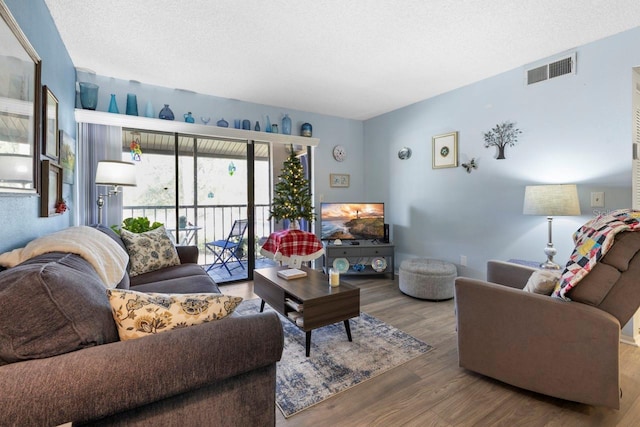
339 153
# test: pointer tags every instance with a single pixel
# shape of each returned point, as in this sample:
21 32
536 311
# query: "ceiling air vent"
560 67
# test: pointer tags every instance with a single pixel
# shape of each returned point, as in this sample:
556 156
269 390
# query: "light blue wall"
576 129
19 216
330 130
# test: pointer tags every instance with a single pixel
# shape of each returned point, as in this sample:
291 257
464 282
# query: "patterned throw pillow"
139 314
149 251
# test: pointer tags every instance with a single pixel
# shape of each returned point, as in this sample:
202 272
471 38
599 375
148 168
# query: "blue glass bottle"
148 111
306 129
286 125
189 118
267 126
132 105
166 113
113 105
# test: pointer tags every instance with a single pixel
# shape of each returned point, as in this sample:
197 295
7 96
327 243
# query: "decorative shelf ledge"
174 126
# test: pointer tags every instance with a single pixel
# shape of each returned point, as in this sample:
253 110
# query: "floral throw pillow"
139 314
149 251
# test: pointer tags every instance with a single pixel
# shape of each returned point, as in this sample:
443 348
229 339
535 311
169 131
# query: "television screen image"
352 221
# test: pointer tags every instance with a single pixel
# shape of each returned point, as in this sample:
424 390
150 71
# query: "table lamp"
115 174
551 200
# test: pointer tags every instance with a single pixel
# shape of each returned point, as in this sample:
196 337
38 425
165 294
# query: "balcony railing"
206 223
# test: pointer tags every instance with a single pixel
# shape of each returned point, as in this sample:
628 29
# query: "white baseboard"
626 339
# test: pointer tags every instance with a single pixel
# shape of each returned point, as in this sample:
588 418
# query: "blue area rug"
335 364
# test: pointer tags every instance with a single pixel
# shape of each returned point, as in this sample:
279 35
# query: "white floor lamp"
551 200
115 174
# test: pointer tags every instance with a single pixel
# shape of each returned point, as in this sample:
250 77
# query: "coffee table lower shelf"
321 304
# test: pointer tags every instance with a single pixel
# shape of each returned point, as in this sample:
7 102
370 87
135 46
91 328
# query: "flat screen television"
352 221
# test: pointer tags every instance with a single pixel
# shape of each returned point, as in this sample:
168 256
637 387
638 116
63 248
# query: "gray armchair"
564 349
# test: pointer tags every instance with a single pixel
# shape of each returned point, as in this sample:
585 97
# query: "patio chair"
226 251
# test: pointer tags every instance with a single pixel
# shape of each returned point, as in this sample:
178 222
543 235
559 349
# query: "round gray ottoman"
427 278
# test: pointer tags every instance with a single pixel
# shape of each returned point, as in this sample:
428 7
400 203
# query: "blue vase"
148 111
223 123
132 105
306 129
257 128
189 118
166 113
246 124
113 105
88 95
267 126
286 125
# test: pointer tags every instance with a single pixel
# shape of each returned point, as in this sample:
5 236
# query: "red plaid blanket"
282 245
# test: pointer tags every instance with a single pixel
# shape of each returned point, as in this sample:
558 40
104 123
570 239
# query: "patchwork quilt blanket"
593 240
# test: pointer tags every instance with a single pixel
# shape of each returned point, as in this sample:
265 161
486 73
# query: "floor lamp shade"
550 201
115 174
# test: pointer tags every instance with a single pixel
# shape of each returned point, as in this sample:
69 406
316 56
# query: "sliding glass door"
199 187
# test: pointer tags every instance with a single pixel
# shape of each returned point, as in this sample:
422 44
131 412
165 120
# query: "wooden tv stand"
365 251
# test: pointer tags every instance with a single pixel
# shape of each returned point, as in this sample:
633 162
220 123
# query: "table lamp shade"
114 172
551 200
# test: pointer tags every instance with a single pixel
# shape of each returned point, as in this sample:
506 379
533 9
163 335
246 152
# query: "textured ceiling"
347 58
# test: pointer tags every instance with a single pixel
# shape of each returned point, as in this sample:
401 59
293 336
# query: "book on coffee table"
292 273
294 304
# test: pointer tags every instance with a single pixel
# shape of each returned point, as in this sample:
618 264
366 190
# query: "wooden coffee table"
322 304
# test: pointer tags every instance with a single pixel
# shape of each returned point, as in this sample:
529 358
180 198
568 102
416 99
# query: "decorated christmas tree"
292 195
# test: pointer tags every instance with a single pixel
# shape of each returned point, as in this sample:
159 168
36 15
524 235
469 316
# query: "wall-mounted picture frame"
50 136
445 150
340 180
67 157
51 191
20 109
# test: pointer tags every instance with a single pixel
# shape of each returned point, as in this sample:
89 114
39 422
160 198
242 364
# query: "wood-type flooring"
432 390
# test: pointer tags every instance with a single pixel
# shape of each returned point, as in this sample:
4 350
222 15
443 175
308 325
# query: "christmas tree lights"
292 194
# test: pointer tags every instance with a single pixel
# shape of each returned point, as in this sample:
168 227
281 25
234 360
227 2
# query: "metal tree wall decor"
500 136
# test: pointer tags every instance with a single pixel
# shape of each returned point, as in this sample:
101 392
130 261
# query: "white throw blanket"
105 255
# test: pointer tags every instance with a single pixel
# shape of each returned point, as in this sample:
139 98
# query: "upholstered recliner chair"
564 349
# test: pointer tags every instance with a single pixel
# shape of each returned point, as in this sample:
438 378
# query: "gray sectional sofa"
61 360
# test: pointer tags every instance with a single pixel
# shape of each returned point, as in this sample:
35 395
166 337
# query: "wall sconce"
115 174
404 153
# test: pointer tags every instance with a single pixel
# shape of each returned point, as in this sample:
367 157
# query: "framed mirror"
20 100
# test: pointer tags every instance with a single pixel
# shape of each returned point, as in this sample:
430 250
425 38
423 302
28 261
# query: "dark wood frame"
7 19
50 136
51 192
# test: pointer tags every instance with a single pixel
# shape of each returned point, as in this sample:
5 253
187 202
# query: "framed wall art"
51 192
445 150
50 137
339 180
20 109
67 157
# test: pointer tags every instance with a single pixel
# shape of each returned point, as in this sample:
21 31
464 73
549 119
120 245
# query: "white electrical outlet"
463 260
597 199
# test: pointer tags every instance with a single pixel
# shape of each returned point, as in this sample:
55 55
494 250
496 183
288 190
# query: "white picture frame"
445 150
339 180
